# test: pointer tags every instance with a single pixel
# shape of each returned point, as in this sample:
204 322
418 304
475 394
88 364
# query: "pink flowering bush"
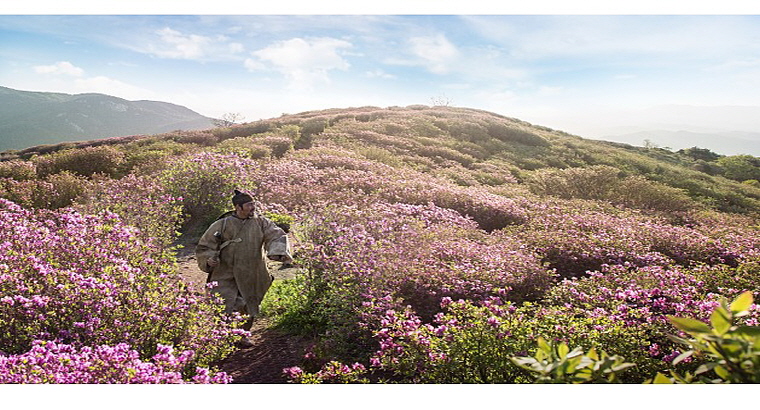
474 343
90 280
576 242
139 201
18 170
310 181
53 192
84 161
51 362
331 373
644 298
442 254
205 182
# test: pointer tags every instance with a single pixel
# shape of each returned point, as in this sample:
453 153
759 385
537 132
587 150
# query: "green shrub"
277 144
65 188
246 147
84 161
202 138
606 183
206 181
18 170
242 130
740 167
506 133
53 192
732 350
555 363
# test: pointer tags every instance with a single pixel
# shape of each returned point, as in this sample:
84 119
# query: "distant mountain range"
724 142
37 118
727 130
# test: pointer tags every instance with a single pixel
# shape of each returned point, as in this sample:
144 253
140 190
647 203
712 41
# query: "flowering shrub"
53 192
139 201
245 147
51 362
18 170
332 372
607 183
206 181
442 254
84 161
91 280
149 155
642 298
576 242
471 343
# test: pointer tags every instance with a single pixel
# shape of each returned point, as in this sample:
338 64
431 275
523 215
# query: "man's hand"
279 258
212 262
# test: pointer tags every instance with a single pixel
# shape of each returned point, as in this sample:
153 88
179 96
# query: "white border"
364 7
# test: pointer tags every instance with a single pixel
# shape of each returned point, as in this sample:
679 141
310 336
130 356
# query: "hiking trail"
272 350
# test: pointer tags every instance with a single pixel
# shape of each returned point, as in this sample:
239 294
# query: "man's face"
245 210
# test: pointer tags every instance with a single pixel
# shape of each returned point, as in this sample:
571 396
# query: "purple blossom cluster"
205 181
420 254
577 242
332 372
51 362
643 297
386 239
91 280
139 201
308 182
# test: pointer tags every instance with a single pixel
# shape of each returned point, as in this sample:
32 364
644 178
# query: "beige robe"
242 274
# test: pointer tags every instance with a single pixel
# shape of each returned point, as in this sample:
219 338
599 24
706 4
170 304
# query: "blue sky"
571 72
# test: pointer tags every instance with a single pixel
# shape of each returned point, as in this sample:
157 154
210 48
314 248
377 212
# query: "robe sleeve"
275 240
208 246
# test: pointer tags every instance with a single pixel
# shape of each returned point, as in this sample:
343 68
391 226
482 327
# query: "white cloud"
435 52
303 62
175 44
379 74
60 68
110 86
236 48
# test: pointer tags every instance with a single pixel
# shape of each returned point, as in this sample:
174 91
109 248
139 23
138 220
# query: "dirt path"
272 350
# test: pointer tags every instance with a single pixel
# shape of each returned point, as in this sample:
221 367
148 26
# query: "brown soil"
272 350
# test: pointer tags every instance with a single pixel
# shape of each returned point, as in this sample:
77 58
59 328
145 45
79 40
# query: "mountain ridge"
29 118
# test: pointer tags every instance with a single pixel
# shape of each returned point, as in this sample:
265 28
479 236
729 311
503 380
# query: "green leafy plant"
556 363
732 350
281 220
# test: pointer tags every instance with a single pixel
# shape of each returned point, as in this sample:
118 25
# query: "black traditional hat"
241 198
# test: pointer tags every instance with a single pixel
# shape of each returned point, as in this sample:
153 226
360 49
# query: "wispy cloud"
378 73
303 62
436 53
174 44
60 68
66 77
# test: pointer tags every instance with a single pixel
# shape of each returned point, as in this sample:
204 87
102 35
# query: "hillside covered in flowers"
435 245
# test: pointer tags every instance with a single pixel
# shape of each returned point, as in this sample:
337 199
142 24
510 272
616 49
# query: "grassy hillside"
474 148
435 243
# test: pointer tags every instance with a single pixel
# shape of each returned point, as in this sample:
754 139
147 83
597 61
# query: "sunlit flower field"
434 245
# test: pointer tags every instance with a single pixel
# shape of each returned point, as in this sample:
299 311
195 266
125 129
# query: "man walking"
232 251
